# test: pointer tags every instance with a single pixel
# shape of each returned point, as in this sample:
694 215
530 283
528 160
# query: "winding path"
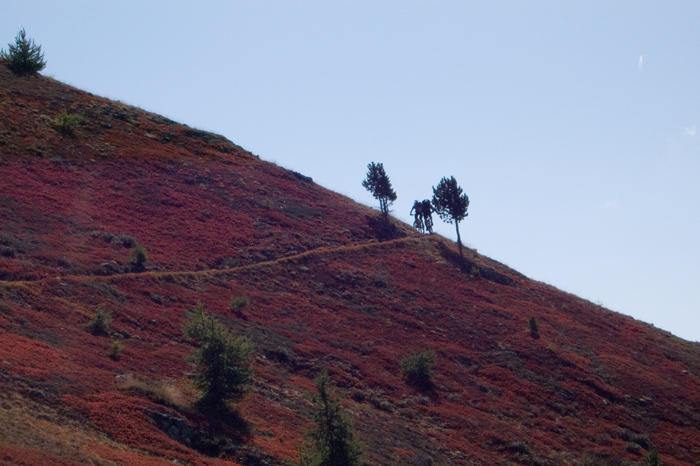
216 272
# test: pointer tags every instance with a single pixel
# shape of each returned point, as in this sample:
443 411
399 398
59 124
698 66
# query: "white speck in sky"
641 62
689 131
610 204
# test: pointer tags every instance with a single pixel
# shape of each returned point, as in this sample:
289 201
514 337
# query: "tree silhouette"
24 57
451 203
377 182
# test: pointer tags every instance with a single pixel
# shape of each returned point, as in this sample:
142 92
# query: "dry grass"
174 394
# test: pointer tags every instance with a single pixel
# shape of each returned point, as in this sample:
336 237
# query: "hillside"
329 286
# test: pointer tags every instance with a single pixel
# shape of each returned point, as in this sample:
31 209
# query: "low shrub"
125 240
239 303
65 123
115 350
633 448
419 368
99 325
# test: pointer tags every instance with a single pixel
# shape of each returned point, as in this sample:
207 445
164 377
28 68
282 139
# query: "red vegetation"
324 292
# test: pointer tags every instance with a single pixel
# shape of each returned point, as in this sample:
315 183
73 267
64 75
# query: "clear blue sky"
572 126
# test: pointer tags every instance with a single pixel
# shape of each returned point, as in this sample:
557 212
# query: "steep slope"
330 287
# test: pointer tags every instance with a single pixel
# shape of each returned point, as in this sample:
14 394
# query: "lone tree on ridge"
377 182
451 204
24 57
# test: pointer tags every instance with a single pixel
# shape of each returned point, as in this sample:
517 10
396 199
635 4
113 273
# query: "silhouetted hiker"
418 209
427 211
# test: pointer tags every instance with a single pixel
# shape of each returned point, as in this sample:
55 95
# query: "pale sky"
571 126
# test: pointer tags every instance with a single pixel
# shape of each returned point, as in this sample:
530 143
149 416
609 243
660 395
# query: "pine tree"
331 442
652 458
24 57
451 203
377 182
223 360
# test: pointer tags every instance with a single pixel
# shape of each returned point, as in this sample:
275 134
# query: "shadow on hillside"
470 268
384 228
425 387
222 431
231 418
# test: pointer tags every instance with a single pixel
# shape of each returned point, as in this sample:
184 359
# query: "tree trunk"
459 240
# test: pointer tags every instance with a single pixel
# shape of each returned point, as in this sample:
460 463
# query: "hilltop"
330 287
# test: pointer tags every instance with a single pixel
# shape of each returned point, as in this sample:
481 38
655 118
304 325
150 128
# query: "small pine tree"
24 57
652 458
451 203
534 327
99 325
377 182
115 350
223 360
332 441
138 258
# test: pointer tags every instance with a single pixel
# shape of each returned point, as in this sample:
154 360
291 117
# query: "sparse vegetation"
633 448
377 182
24 57
65 123
99 325
451 203
223 361
419 368
115 350
138 258
331 442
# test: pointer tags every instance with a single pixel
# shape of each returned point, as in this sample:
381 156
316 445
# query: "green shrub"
331 442
24 57
223 360
66 123
239 303
138 258
419 368
115 350
99 325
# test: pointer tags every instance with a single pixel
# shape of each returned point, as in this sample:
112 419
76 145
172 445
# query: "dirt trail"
215 272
